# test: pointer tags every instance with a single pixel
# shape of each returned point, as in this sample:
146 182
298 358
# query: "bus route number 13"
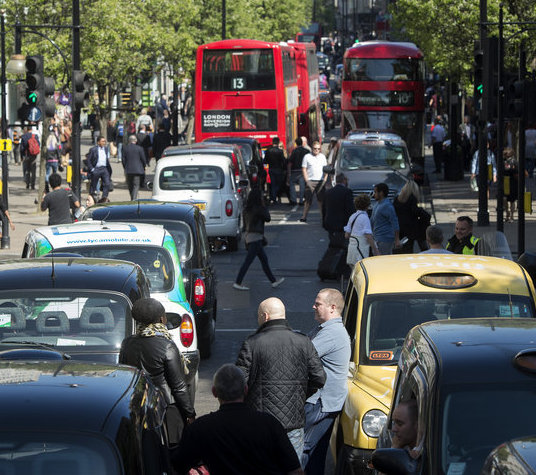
239 83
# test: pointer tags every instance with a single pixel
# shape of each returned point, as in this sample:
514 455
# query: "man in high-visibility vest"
463 241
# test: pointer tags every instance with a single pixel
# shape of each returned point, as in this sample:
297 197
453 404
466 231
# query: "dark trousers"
255 249
437 148
276 180
318 427
100 173
134 183
29 166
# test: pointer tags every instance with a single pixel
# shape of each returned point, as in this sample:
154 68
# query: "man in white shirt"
438 136
312 169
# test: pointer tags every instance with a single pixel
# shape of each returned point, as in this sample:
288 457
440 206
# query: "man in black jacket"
134 164
282 369
275 159
236 438
98 161
337 207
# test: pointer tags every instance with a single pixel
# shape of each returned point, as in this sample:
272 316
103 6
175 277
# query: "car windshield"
472 426
67 318
372 154
155 261
60 454
191 177
389 317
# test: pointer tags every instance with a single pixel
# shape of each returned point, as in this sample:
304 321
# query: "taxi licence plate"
201 206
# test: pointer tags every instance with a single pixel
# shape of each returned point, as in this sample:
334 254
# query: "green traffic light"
480 88
32 98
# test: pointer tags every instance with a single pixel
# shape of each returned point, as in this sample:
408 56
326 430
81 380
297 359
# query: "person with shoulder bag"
359 232
255 215
29 149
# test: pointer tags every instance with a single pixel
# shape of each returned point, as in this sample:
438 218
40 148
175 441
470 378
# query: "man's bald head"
270 309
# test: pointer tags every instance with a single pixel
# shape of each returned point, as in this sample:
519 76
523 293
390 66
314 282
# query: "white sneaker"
278 282
240 287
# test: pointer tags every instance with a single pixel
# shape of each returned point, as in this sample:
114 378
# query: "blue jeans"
51 167
296 177
119 145
296 439
318 426
255 248
276 180
385 248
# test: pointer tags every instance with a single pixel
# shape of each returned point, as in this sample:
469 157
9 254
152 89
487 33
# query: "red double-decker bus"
383 88
309 110
246 88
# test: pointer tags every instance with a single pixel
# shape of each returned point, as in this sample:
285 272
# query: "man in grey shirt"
59 202
434 237
332 344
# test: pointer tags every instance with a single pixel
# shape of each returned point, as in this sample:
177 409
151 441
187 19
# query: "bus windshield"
359 69
242 70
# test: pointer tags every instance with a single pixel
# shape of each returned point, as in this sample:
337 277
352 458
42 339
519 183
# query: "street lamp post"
5 241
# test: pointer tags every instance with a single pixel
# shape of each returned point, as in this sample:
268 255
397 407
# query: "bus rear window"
242 70
239 120
358 69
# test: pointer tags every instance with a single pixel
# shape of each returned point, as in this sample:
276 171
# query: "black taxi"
474 382
80 307
67 417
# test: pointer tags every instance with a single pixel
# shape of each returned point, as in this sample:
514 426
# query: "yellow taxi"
389 295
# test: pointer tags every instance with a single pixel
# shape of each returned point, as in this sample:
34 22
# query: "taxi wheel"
343 466
205 344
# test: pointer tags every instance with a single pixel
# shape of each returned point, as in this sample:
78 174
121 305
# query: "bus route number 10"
238 83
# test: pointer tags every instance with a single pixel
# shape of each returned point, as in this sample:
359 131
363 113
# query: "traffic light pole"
5 241
521 158
75 137
483 214
500 127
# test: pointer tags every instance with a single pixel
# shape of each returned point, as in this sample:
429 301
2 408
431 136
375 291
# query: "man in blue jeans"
332 344
384 221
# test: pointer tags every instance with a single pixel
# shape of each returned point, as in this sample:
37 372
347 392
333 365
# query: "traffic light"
515 97
478 75
81 87
39 91
34 87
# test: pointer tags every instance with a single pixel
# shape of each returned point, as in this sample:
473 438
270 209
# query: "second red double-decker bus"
246 88
383 88
309 110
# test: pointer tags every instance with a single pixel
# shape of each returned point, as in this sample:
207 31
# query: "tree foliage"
446 30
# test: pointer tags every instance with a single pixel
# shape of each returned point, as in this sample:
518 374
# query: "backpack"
120 130
33 146
131 128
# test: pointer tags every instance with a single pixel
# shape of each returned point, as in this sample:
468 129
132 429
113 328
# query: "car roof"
62 395
410 267
66 273
373 134
96 233
232 140
198 158
143 209
202 146
479 350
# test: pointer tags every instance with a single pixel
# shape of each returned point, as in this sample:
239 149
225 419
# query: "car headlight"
373 422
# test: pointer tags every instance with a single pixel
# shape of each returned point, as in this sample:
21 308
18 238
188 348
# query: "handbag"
113 149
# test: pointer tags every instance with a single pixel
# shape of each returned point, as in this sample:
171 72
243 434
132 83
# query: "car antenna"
138 212
53 274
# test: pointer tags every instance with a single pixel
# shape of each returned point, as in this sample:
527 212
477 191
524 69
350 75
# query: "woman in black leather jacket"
255 215
153 350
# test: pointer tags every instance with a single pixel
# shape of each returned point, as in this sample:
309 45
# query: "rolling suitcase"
333 264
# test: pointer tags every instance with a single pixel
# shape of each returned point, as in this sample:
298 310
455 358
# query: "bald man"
282 369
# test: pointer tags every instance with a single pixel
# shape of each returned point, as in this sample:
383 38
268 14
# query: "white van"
206 181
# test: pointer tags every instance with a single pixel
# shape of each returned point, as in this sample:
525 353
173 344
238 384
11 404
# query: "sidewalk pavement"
450 199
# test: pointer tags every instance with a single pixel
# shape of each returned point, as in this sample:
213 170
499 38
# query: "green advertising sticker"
5 320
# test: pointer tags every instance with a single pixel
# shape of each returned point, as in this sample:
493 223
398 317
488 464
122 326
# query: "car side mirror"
243 183
329 169
393 462
149 185
252 169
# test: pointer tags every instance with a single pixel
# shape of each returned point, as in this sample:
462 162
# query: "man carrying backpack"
29 149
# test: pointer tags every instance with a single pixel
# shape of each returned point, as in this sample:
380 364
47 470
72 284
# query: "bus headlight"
373 422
